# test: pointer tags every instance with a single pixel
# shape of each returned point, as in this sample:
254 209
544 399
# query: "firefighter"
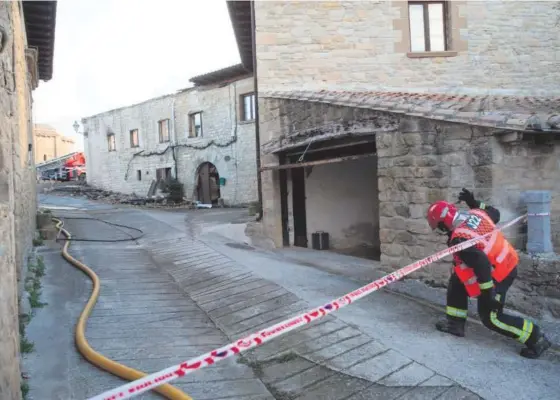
484 271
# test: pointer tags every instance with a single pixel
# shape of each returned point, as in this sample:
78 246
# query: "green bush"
24 389
176 191
25 346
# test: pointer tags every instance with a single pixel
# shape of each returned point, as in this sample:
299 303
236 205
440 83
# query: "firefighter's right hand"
468 198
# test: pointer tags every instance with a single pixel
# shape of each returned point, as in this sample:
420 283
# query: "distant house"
204 136
49 144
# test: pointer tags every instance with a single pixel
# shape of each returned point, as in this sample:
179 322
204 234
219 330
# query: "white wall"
224 136
342 199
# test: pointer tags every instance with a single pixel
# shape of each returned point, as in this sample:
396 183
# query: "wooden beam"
318 162
337 146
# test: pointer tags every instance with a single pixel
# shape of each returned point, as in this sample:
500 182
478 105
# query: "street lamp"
76 126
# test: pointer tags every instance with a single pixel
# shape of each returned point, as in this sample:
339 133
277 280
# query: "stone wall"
537 288
503 46
227 142
426 161
17 188
527 162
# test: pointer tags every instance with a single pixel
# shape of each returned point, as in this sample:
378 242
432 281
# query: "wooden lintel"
318 162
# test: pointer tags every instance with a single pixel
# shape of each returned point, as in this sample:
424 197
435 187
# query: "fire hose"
97 359
156 379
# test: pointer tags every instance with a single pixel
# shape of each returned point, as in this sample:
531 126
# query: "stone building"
26 56
369 111
204 136
49 144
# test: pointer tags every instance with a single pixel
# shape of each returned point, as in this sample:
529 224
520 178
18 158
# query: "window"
139 174
111 142
134 138
44 157
248 107
163 127
195 125
427 26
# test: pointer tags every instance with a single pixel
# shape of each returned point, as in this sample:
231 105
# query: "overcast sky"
112 53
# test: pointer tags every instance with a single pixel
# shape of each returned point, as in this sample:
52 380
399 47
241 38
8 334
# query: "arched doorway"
207 183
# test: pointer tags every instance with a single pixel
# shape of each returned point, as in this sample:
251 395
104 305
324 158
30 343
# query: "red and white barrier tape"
149 382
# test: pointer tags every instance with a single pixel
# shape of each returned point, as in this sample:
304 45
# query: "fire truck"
71 167
75 168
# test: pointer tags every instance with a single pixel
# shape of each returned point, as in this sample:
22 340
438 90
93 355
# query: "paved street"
183 289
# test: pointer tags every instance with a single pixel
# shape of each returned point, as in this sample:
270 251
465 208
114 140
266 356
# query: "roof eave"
40 26
240 16
224 75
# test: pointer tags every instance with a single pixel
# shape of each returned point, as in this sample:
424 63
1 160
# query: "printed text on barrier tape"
149 382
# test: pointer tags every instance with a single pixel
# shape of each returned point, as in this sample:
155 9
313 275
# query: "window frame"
192 126
253 110
426 20
131 132
111 140
160 131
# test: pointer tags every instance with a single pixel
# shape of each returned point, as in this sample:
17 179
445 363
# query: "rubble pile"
107 196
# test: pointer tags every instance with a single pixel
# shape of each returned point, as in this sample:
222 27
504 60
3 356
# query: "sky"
113 53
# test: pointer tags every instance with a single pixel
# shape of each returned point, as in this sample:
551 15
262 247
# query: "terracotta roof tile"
505 112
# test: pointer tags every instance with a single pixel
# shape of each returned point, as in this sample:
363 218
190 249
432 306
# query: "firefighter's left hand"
468 197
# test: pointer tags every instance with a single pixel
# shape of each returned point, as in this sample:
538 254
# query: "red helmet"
441 212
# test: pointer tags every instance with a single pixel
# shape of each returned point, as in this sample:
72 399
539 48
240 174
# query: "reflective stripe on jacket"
499 251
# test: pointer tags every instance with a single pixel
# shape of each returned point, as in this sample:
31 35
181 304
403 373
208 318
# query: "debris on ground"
158 199
198 204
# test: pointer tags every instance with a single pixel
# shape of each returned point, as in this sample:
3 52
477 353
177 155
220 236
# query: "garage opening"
332 198
207 186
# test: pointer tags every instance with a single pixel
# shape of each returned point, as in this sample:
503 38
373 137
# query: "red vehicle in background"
75 168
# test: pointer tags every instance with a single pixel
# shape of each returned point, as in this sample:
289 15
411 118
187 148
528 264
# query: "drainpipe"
174 142
257 136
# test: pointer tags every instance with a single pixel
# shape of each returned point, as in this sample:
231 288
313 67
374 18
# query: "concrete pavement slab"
242 305
437 380
359 359
334 388
240 298
411 374
297 384
379 392
225 388
334 348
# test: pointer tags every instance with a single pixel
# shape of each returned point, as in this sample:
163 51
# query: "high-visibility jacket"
499 251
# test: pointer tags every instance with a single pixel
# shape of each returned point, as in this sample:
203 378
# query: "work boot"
535 350
454 326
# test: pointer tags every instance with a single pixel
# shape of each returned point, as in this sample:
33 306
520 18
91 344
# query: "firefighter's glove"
489 300
468 198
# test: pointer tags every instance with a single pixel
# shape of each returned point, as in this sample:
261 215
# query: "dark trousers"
492 316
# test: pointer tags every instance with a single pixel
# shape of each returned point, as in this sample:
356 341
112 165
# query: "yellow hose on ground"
97 359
